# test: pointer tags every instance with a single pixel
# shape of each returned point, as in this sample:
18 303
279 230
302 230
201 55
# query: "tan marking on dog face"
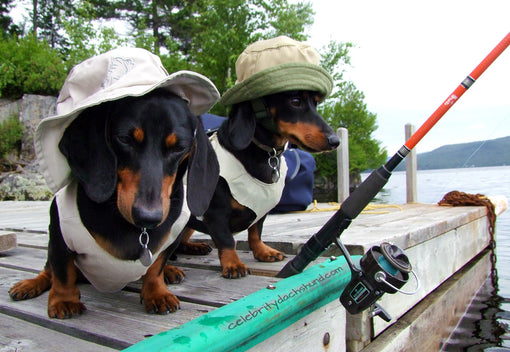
166 191
138 135
127 186
170 140
305 135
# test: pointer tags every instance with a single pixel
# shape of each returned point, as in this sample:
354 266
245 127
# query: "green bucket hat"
277 65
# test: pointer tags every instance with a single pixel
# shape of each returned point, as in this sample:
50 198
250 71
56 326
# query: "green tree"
167 20
28 65
346 108
48 18
288 19
222 29
6 25
87 38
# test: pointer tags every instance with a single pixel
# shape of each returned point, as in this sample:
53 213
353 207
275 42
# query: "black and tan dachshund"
286 117
129 157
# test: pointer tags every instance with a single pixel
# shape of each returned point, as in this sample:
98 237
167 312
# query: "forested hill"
494 152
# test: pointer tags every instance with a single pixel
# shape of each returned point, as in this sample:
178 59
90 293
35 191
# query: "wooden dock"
446 246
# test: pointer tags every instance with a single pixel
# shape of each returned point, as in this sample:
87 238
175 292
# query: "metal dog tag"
146 255
274 164
275 175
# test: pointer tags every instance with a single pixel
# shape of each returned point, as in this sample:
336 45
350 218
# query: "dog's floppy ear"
92 161
203 172
241 125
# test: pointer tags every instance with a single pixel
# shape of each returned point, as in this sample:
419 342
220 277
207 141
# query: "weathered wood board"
114 321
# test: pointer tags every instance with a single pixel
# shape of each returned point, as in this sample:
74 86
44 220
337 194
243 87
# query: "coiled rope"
457 198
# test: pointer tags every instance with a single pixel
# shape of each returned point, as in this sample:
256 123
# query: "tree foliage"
202 35
7 27
47 20
346 108
349 110
29 65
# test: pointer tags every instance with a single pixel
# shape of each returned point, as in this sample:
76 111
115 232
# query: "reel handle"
383 269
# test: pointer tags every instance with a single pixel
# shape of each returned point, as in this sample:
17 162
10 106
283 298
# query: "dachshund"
256 134
129 158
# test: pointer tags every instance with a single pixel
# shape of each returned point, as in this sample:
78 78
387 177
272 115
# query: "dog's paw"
264 253
65 310
231 266
161 303
235 271
173 275
27 289
198 248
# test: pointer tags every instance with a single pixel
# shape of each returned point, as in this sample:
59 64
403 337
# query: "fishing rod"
385 260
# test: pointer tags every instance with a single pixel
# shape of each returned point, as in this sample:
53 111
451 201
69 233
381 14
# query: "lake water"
491 332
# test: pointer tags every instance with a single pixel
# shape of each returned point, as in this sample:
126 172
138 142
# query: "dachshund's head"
289 116
137 150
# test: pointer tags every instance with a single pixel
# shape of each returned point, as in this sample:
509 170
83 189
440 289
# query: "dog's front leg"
187 247
64 296
155 295
262 251
231 265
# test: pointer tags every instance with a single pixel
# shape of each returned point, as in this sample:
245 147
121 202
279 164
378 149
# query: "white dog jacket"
105 272
259 196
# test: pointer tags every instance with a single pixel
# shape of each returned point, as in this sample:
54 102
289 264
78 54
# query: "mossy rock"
24 187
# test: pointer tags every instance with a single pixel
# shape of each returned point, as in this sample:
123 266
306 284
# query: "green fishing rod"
361 197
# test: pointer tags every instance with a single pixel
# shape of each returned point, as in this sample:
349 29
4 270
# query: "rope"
456 198
369 209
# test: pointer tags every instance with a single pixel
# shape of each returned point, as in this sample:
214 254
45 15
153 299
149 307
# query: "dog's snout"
147 217
333 141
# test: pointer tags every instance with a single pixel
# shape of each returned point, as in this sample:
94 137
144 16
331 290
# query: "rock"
24 184
33 109
22 181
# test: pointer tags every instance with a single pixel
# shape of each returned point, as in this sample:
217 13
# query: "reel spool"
383 269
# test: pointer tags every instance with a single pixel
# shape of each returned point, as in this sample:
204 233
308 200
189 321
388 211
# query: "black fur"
290 117
130 157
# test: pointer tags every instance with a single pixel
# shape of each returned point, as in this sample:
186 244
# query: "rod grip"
362 196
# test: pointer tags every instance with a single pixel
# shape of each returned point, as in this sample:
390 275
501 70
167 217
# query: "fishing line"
485 140
447 186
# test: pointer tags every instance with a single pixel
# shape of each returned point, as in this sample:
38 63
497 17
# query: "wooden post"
342 155
411 168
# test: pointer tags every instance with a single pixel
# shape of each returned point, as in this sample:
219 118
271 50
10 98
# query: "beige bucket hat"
111 76
277 65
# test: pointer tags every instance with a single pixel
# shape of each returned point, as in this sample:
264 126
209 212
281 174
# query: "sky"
409 56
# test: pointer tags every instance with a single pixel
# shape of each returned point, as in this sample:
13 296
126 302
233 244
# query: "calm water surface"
491 332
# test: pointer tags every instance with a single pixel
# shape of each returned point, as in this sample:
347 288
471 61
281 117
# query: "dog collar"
273 159
265 119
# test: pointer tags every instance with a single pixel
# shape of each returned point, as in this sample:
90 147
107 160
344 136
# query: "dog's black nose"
333 141
146 218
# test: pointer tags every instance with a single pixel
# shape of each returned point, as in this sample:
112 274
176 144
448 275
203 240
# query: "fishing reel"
383 269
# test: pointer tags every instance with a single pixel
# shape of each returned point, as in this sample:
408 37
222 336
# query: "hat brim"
196 89
280 78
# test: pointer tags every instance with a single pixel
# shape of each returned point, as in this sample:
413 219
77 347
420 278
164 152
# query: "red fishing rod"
362 196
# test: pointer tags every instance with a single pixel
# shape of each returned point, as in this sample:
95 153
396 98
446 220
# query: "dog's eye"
295 102
125 140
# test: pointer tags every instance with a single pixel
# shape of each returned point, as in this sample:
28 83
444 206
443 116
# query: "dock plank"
200 285
121 312
21 336
425 231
